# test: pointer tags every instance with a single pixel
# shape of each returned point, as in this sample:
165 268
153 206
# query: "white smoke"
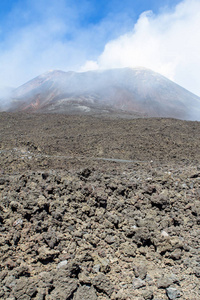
5 94
49 34
167 43
38 36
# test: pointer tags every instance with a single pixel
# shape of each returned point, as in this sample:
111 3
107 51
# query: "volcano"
137 91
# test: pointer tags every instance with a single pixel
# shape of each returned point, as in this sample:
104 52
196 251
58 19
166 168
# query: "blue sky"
76 16
90 12
36 36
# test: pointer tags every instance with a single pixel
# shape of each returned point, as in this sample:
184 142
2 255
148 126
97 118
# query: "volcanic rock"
126 92
78 225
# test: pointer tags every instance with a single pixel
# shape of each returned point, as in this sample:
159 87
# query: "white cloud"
40 35
168 43
50 34
89 65
40 42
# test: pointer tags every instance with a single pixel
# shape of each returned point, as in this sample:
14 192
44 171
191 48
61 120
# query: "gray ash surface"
73 226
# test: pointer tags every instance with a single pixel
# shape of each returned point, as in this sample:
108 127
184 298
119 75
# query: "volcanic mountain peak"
137 90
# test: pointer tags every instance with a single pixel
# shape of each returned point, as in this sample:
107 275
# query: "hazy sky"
37 36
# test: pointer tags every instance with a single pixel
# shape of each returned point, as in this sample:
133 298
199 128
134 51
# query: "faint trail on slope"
30 154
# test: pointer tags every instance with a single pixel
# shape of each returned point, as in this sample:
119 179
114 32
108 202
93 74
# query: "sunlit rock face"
134 91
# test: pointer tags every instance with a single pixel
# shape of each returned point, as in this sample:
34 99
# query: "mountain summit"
134 91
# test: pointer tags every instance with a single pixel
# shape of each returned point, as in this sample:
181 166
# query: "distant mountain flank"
136 91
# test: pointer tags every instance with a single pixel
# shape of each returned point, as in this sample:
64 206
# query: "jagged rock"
85 293
161 200
101 264
62 264
102 283
166 281
173 293
147 294
64 288
128 249
46 254
138 283
24 289
140 270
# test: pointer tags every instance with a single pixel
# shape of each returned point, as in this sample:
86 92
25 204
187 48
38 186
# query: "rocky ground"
76 226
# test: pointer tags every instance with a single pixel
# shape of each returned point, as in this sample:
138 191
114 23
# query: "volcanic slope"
140 92
76 226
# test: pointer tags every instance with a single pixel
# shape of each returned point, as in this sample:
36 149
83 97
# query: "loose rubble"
98 230
65 235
